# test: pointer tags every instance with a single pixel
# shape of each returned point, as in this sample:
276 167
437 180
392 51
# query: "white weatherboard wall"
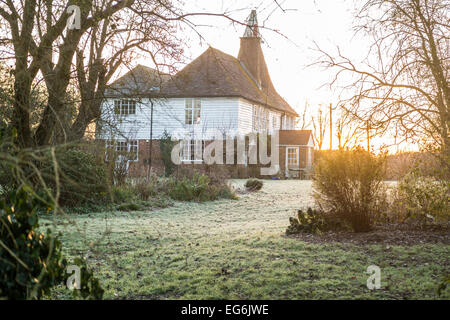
226 115
169 114
245 118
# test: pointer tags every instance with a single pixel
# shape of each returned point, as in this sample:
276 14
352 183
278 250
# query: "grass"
230 249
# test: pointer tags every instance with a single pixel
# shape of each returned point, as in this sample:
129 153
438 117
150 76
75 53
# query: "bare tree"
403 84
35 30
113 43
34 36
303 122
348 131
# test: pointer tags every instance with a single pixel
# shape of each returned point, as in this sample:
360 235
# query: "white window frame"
192 111
189 148
130 146
125 106
274 121
255 119
258 119
287 157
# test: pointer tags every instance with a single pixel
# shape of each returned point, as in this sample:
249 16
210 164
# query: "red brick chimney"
251 54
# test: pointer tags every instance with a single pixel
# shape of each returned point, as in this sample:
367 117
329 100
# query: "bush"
422 199
146 188
311 221
122 194
131 206
140 205
253 184
349 184
24 251
198 188
82 176
31 263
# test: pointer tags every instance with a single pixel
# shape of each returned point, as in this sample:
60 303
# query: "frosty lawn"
236 249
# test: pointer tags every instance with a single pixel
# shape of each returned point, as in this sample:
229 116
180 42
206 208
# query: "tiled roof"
217 74
294 137
140 81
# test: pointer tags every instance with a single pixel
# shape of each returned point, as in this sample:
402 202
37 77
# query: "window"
264 119
275 122
124 106
290 123
287 123
129 148
122 146
133 149
193 150
109 149
193 111
292 157
258 119
255 118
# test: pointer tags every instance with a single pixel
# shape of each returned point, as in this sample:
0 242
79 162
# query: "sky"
290 50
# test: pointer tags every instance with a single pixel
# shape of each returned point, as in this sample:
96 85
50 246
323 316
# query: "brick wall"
140 167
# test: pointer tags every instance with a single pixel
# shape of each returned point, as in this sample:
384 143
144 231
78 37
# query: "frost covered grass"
236 249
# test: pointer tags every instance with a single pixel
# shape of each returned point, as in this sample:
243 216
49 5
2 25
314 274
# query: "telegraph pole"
151 138
368 135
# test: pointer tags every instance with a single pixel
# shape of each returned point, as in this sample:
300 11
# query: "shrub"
82 176
146 188
311 221
253 184
140 205
155 190
24 251
31 263
350 185
122 194
191 189
131 206
198 188
423 199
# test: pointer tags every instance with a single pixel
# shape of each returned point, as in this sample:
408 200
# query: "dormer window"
124 106
193 110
